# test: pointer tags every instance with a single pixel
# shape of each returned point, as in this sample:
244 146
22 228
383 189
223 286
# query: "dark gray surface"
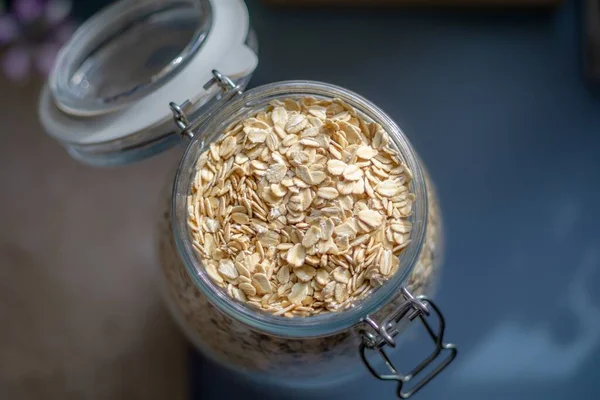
497 107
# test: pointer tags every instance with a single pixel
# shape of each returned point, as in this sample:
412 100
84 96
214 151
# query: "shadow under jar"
312 350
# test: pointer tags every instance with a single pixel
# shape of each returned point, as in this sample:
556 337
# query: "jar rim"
301 327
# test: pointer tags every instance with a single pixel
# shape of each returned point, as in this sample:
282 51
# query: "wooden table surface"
80 316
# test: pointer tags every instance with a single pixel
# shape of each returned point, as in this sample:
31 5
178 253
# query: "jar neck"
319 325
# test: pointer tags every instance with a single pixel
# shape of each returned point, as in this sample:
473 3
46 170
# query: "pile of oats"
301 209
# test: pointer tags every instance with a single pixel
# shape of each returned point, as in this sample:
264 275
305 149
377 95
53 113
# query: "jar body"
278 360
299 351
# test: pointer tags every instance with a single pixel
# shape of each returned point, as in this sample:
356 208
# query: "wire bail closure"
180 111
384 334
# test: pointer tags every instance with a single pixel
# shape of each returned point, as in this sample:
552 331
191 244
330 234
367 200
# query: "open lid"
107 98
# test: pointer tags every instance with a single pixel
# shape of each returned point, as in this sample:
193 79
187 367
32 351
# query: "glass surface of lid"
127 51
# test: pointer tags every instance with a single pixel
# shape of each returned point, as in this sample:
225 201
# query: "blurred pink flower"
32 31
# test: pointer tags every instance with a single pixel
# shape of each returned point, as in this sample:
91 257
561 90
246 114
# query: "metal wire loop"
385 332
229 90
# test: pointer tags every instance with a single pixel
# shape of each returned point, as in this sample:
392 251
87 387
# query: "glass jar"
297 351
110 121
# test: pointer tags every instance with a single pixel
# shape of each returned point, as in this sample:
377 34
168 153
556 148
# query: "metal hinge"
384 335
229 90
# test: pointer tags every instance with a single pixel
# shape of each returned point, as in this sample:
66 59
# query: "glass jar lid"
127 51
107 98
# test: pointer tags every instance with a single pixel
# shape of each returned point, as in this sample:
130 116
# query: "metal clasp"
385 332
180 111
